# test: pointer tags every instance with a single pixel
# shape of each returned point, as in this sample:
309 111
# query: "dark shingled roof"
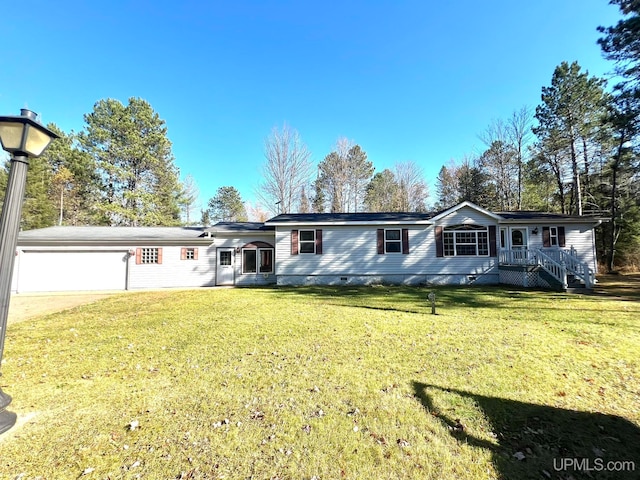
531 215
397 217
222 227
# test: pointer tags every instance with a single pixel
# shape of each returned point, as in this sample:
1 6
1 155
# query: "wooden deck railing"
557 262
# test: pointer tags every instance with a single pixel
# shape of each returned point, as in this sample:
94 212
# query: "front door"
519 244
224 266
519 238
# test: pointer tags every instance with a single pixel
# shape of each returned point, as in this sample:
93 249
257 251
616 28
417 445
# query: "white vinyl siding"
352 251
236 243
174 270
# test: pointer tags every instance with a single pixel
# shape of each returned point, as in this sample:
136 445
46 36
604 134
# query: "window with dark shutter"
294 242
189 253
148 256
380 241
393 240
553 237
465 240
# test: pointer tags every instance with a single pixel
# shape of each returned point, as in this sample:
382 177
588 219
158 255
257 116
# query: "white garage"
56 270
66 258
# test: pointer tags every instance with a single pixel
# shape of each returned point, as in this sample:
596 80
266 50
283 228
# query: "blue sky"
406 80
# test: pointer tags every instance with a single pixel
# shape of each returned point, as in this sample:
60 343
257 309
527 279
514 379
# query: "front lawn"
326 383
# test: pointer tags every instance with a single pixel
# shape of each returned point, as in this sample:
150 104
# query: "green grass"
325 383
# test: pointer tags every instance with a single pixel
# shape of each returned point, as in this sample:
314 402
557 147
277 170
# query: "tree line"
118 171
577 152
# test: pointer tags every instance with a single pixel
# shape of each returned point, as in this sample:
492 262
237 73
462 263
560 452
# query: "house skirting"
527 276
294 280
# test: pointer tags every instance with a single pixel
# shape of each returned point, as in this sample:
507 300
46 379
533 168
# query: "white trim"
466 203
257 250
481 229
399 241
300 241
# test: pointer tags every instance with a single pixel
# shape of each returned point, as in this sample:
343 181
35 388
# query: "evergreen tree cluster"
118 171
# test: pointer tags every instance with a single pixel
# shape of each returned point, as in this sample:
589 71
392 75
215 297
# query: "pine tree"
133 157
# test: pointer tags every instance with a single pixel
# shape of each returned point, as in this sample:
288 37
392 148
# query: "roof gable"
462 205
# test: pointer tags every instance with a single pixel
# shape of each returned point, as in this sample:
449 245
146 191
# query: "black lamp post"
23 137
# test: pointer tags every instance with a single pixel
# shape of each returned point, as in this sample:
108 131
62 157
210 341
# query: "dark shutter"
439 242
405 241
318 242
493 247
546 237
561 237
380 241
138 256
294 242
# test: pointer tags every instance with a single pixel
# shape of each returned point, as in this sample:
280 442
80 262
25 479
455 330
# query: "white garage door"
48 271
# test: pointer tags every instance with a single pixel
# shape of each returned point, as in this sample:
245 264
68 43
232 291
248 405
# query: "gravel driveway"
25 305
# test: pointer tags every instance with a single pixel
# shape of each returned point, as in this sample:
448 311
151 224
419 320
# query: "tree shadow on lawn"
410 299
414 299
539 441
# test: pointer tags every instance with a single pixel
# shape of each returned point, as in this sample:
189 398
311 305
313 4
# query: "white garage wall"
50 270
174 272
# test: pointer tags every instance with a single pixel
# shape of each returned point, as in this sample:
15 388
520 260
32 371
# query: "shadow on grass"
538 441
410 299
413 299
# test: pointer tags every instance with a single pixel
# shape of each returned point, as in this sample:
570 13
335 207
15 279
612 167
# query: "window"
503 238
225 258
465 240
553 237
249 261
266 260
148 256
251 256
189 254
307 241
392 241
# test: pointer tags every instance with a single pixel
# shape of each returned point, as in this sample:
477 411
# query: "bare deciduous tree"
286 172
518 134
412 189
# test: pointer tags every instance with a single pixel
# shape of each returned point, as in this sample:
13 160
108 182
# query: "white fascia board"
552 221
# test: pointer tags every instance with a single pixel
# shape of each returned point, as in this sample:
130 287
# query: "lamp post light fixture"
23 137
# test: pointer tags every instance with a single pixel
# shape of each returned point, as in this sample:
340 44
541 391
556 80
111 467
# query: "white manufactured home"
462 245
